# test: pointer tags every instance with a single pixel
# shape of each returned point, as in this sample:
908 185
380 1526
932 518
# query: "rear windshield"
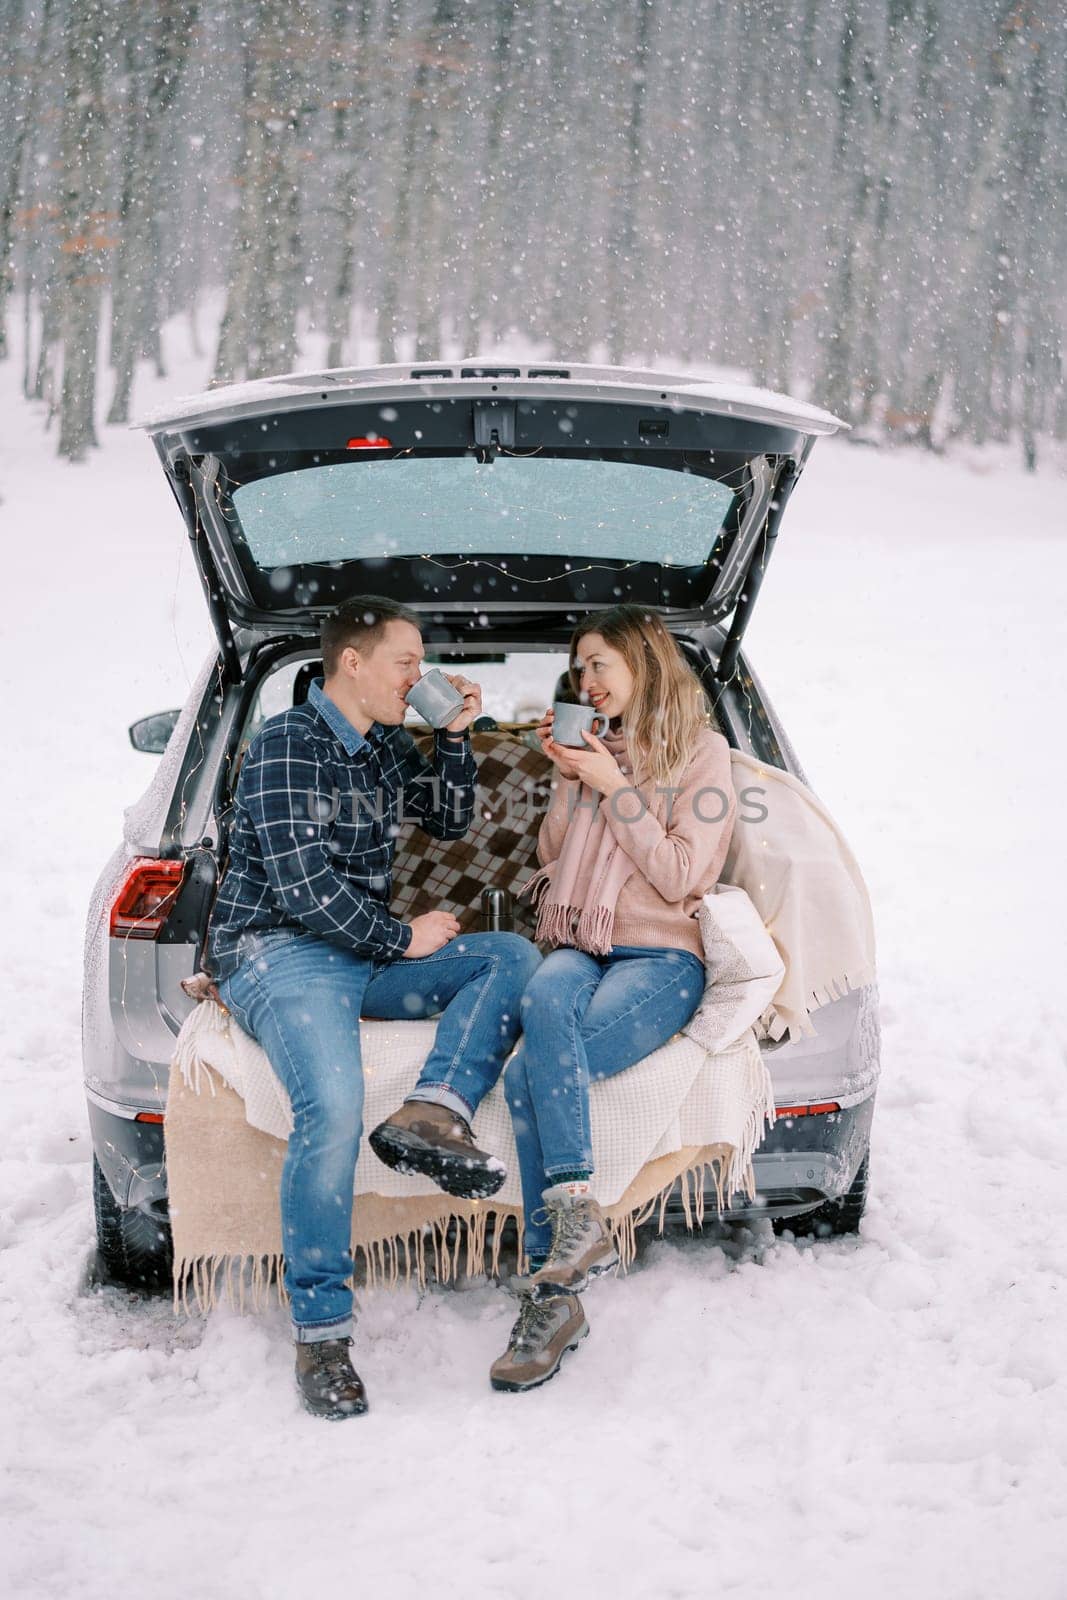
516 505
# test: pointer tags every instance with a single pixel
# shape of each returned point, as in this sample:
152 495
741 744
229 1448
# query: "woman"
636 834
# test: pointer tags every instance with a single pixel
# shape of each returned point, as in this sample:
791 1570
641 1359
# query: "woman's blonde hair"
667 709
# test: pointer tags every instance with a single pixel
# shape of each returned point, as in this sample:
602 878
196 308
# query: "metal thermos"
496 911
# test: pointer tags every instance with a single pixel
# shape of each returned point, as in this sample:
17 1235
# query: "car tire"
834 1218
135 1249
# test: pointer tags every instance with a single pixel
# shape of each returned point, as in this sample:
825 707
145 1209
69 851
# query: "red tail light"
146 898
807 1111
149 1116
373 441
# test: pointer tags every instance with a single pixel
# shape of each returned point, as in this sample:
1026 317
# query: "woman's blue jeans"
585 1017
302 999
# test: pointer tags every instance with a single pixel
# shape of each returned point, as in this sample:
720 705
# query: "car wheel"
135 1249
833 1218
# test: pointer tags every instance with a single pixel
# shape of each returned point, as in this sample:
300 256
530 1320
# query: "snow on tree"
860 200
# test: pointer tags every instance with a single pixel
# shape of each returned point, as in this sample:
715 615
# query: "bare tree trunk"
258 333
86 243
235 330
886 62
490 175
439 141
918 336
402 263
1035 263
157 40
349 150
575 171
21 183
10 184
41 374
625 275
975 318
840 375
771 261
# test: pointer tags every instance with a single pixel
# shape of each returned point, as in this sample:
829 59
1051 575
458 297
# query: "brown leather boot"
431 1140
328 1384
543 1333
582 1245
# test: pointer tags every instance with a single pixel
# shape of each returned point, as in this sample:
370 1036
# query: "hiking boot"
582 1246
431 1140
327 1382
543 1333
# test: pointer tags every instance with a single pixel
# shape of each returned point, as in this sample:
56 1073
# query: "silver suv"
501 503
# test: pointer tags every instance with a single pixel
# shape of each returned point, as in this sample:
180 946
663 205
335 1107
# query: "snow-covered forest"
864 201
861 202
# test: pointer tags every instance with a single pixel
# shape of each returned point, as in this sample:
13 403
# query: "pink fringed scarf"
579 891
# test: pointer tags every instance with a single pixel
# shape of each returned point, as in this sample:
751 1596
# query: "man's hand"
558 754
472 703
430 931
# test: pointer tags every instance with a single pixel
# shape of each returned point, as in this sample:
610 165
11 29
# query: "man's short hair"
359 623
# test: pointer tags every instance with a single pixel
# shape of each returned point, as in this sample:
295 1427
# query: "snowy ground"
763 1419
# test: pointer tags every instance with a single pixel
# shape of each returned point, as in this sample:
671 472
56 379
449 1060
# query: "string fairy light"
571 572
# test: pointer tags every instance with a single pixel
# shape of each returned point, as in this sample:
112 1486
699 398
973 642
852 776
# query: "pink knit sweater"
678 856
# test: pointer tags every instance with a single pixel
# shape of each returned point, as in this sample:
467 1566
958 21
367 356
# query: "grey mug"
435 700
570 720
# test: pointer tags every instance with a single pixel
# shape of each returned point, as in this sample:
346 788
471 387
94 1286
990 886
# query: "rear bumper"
801 1162
132 1160
806 1160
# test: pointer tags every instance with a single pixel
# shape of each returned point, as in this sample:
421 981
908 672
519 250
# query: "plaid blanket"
499 848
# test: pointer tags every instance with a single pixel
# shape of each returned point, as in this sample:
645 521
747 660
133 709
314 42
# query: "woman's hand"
559 754
597 767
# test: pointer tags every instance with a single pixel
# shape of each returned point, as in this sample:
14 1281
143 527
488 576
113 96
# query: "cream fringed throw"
808 891
679 1113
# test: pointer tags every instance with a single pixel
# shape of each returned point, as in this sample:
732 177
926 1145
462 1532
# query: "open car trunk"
482 495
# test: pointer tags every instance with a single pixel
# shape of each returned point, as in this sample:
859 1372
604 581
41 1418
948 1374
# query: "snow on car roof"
293 390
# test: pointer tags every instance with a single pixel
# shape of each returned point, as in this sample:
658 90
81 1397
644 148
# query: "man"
302 944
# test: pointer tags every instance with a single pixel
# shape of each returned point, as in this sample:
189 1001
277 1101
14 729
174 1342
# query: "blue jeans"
302 999
586 1017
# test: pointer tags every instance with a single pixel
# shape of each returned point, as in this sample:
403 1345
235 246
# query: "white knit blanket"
677 1097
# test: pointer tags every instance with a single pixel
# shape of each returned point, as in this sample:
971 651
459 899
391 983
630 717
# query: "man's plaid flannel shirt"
314 830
